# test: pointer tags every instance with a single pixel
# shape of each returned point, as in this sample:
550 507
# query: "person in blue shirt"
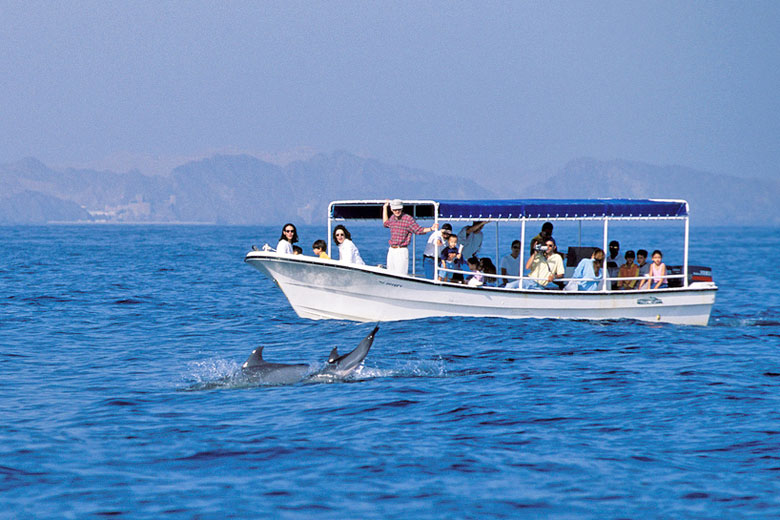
451 258
591 271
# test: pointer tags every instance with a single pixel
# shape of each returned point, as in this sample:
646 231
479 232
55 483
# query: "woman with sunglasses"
288 238
348 252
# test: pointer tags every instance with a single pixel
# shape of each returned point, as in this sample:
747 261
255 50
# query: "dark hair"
614 243
342 228
297 250
547 226
657 251
515 242
598 263
629 254
487 266
447 226
642 252
473 261
320 244
295 233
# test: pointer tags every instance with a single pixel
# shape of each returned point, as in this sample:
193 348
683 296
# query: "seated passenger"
475 279
288 238
510 264
590 271
545 266
641 262
319 247
489 271
297 250
451 258
656 278
628 270
348 252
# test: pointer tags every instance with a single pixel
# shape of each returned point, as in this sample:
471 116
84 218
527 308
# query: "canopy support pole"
685 255
330 234
498 259
414 244
604 270
522 252
435 247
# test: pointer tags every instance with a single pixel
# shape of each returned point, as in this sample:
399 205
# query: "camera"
540 248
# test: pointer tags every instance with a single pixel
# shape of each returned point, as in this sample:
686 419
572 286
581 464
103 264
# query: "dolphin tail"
334 355
361 351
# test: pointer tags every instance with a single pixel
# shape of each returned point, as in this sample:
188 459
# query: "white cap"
396 204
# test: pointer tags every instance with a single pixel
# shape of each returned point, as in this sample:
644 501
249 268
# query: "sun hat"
396 204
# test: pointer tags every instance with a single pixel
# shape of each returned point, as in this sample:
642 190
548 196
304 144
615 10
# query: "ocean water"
119 346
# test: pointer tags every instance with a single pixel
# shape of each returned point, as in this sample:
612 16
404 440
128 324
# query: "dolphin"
338 367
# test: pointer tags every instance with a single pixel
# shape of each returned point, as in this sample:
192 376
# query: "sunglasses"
340 234
289 231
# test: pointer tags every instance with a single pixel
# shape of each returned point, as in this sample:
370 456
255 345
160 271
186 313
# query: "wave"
219 373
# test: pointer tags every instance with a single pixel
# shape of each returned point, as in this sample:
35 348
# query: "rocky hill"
714 199
241 189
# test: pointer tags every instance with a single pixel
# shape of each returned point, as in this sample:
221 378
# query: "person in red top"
401 228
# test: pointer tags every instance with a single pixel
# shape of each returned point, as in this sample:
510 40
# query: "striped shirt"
401 230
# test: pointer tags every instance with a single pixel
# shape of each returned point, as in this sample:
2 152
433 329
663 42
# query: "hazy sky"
473 89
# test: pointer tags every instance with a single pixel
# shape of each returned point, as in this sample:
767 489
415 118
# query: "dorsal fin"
334 355
254 359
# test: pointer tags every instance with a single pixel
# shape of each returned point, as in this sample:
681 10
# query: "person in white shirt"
510 264
470 237
348 252
288 238
436 242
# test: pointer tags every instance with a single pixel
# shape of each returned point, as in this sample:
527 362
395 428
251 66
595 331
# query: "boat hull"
327 289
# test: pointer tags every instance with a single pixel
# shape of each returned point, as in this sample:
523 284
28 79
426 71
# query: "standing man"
432 253
470 237
612 262
541 238
401 228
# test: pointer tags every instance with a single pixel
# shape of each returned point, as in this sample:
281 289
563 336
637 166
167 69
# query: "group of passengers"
546 265
348 252
457 254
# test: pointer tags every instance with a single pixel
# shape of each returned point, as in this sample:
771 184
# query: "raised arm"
530 261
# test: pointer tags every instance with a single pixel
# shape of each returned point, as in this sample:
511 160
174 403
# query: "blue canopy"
562 208
521 208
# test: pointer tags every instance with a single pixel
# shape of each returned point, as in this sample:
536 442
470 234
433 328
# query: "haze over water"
118 343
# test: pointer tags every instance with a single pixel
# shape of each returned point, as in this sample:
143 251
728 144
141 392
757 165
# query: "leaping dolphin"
338 367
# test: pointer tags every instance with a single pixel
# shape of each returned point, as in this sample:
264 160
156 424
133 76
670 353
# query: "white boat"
329 289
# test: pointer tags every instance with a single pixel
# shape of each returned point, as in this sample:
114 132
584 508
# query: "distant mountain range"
241 189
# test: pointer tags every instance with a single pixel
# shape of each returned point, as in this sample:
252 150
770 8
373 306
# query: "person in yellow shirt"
319 247
628 270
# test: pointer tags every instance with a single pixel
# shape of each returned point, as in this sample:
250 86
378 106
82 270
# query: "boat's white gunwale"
275 257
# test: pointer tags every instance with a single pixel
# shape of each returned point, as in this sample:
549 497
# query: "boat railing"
604 282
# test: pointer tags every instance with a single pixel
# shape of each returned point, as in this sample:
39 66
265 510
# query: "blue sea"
120 345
